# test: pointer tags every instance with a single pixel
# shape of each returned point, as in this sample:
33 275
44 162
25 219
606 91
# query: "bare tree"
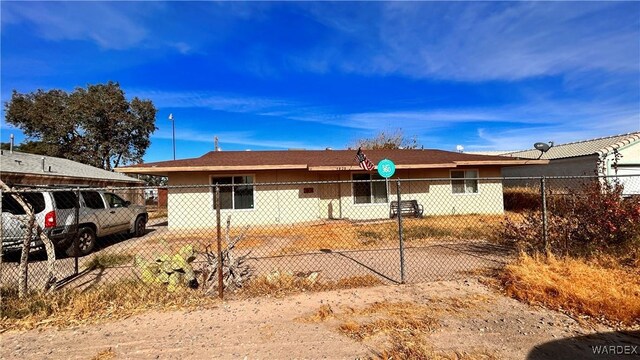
26 243
388 140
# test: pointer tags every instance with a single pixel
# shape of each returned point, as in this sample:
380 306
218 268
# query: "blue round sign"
386 168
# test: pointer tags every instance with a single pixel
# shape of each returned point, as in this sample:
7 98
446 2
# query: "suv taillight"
50 219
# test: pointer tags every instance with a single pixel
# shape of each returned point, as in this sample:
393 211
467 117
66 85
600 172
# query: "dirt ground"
269 328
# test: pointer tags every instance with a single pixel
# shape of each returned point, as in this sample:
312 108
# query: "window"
114 200
10 205
236 192
36 200
464 181
92 199
371 192
65 199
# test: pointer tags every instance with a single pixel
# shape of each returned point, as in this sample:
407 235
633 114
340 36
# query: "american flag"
363 161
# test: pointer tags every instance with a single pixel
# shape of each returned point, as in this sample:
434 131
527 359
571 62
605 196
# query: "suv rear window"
92 199
36 200
10 205
65 199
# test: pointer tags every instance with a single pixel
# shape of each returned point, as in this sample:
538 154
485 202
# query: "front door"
329 196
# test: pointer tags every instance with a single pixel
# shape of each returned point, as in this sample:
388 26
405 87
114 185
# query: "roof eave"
167 169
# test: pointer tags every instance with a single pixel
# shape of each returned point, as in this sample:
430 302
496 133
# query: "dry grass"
343 235
388 317
157 214
577 286
336 234
415 347
404 324
107 302
287 283
324 313
107 354
102 261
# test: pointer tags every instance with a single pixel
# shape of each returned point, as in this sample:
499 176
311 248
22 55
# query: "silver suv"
99 214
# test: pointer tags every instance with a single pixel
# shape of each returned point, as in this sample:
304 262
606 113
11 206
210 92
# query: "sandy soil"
267 328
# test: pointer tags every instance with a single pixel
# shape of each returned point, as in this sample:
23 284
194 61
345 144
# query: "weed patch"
578 286
107 302
280 284
102 261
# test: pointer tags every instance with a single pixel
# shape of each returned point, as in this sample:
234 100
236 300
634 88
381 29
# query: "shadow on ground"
610 345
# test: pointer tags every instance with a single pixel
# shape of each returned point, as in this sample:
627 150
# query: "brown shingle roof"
315 160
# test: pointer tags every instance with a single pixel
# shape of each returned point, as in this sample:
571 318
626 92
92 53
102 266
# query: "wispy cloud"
216 101
532 117
244 138
111 27
479 41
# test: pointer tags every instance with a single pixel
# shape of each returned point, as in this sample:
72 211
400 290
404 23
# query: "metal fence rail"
398 230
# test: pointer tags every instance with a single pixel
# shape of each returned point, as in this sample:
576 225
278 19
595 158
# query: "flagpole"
173 126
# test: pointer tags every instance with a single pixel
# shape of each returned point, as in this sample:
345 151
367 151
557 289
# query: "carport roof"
599 146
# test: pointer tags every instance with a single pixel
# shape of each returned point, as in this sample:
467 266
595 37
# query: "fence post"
76 248
400 234
219 240
543 194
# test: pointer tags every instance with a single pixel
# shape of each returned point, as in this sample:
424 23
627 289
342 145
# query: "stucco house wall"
192 206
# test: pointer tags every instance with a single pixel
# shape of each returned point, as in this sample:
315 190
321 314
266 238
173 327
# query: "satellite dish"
543 147
459 148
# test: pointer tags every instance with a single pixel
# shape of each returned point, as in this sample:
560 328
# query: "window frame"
463 179
233 191
371 202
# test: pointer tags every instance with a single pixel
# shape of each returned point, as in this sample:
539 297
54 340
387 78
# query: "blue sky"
268 75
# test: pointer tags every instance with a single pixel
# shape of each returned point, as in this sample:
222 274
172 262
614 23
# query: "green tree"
95 126
31 147
388 140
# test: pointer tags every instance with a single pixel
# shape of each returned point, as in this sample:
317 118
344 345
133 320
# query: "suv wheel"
140 226
86 242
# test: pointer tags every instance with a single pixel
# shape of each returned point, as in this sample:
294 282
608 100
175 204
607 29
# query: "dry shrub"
106 302
521 198
576 286
286 283
590 220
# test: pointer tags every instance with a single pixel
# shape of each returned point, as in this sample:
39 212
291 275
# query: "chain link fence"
396 230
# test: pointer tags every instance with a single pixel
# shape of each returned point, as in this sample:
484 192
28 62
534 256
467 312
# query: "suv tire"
140 226
86 242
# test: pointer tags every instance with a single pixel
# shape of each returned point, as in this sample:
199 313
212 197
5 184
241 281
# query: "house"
23 169
583 158
272 187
